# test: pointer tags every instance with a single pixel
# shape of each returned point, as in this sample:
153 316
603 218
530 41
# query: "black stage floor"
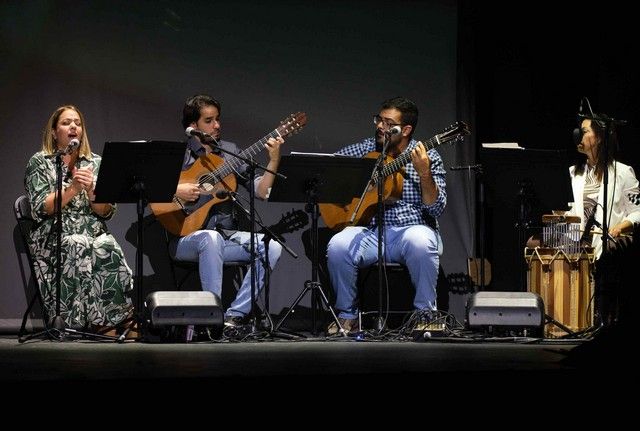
473 364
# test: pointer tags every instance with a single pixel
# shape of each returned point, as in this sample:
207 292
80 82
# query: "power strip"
424 330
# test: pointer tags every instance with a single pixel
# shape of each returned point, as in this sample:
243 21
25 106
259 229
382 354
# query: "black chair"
400 297
190 268
399 303
22 212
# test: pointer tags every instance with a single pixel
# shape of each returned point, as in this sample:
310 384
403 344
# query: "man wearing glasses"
411 234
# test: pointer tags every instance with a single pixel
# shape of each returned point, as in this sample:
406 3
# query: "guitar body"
338 216
214 173
181 217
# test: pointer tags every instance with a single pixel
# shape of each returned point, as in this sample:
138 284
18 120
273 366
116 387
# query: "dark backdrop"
129 66
514 72
534 63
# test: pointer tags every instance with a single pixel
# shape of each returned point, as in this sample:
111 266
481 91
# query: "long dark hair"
599 128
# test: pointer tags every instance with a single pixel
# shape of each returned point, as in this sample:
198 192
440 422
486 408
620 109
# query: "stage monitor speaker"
165 308
505 309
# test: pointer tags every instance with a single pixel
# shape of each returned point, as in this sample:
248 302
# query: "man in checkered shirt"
411 234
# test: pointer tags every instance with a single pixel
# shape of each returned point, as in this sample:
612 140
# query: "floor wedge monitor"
164 308
505 309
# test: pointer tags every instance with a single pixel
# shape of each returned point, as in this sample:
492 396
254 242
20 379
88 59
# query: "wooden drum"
564 283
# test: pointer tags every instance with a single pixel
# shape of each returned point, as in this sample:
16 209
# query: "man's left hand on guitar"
421 160
273 147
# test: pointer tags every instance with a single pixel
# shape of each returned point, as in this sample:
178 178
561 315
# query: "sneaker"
350 326
234 321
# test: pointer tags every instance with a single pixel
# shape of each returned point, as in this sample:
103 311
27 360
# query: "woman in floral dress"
95 276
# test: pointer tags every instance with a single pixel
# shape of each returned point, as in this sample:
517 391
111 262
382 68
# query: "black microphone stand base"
58 323
58 332
380 324
317 294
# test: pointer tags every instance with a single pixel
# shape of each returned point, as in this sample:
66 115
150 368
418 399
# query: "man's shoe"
350 326
234 321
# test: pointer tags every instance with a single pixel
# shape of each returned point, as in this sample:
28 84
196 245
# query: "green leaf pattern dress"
95 274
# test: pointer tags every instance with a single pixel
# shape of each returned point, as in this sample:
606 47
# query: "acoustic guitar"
338 216
214 173
290 222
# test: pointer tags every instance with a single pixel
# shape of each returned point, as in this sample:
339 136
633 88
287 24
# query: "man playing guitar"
410 221
218 239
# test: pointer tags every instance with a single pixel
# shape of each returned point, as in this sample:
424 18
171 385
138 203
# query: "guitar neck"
231 164
404 158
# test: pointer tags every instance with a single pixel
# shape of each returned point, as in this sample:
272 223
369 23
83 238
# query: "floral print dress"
95 275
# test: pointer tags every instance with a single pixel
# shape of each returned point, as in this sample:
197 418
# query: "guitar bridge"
183 208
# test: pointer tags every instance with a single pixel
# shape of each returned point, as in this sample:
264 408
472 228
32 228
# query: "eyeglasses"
378 119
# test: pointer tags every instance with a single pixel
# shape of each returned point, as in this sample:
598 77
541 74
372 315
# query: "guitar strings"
231 165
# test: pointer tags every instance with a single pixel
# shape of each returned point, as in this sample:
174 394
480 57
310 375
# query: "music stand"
139 172
315 179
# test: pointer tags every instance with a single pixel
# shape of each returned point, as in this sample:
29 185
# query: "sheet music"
503 145
300 153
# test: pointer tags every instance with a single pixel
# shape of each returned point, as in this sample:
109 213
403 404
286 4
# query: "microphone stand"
268 235
608 128
609 124
58 321
252 218
378 178
380 322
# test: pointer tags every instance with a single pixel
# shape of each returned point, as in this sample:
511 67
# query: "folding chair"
22 212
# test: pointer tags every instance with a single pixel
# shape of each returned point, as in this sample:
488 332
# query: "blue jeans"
417 247
211 250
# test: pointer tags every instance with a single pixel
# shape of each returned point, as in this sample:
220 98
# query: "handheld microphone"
394 130
222 194
73 144
205 137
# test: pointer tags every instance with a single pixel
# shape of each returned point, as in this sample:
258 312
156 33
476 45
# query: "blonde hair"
48 142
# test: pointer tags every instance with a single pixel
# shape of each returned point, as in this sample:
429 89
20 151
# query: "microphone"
394 130
577 132
205 137
577 136
222 194
603 120
73 144
71 147
581 107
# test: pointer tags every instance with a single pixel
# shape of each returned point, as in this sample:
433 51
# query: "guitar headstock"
290 222
292 124
454 133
